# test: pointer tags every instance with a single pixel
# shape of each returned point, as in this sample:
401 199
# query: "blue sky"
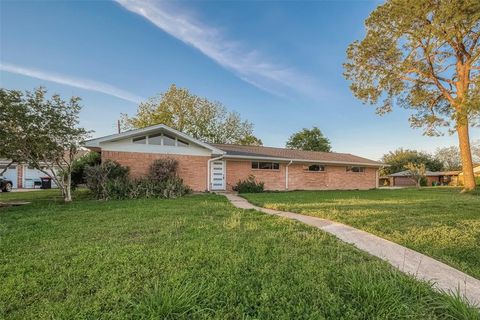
279 64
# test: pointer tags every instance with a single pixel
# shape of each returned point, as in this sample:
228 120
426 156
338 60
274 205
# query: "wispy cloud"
86 84
247 64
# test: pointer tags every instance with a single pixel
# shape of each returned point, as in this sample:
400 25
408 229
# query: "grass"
192 258
440 222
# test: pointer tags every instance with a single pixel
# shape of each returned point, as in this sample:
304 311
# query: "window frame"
349 169
258 166
177 142
322 168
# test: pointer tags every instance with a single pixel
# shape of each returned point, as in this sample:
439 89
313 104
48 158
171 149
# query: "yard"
194 258
440 222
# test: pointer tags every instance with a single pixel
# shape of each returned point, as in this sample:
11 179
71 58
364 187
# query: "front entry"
217 175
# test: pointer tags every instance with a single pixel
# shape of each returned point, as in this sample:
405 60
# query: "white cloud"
71 81
247 64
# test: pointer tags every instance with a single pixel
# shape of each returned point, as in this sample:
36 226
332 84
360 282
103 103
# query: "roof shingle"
291 154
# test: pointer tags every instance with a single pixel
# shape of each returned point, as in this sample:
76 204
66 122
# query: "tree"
309 139
417 172
398 160
42 132
424 56
193 115
450 157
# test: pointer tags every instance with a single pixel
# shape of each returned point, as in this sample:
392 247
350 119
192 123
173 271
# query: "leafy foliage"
79 165
163 169
43 132
310 140
423 56
106 178
249 185
193 115
110 181
417 173
398 160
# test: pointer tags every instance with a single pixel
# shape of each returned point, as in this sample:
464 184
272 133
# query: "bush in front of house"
107 179
79 165
111 181
249 185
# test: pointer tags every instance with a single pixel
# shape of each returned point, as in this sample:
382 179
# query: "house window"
140 140
181 143
155 139
315 168
355 169
168 140
265 165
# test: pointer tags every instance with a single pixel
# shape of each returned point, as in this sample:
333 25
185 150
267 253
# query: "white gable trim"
95 143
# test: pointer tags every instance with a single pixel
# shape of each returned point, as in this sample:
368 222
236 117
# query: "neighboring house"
22 175
205 166
404 179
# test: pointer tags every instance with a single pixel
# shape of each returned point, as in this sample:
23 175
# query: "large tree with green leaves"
42 132
423 55
399 159
193 115
310 140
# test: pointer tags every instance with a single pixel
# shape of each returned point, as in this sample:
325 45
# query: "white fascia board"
303 160
119 136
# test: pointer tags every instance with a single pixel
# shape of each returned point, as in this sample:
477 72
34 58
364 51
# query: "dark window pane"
355 169
168 140
140 140
181 143
266 165
155 139
314 167
276 166
254 165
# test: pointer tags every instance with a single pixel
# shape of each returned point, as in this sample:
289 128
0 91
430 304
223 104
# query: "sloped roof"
95 143
240 151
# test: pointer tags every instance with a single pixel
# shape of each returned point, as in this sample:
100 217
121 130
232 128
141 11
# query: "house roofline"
95 143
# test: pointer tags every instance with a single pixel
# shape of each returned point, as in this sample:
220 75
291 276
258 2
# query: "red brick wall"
192 169
334 177
239 170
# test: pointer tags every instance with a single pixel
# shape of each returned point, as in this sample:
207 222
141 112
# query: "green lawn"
192 258
440 222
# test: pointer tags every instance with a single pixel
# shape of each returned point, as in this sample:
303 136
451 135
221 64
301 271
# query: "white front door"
217 175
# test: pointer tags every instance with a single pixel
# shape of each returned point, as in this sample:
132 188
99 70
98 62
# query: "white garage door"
10 174
32 178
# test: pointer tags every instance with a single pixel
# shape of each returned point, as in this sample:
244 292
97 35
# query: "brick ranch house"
218 167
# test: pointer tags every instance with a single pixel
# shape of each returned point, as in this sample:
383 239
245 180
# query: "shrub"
79 165
249 185
111 181
477 180
105 179
163 169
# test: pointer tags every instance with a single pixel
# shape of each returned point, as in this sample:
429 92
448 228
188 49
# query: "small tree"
398 159
425 56
42 132
310 140
417 172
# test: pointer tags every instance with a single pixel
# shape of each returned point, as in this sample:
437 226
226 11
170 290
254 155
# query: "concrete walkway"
406 260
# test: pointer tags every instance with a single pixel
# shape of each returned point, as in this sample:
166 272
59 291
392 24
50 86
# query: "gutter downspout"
209 162
286 174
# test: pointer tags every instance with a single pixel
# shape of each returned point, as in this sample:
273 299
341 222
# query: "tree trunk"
466 154
68 189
